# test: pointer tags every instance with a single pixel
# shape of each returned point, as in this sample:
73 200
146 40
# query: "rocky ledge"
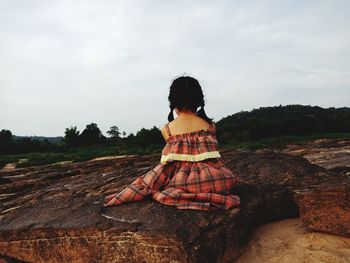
332 154
54 213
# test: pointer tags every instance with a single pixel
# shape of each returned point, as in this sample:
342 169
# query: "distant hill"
283 120
57 139
263 122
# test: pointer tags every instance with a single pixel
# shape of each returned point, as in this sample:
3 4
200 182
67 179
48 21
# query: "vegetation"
270 122
259 128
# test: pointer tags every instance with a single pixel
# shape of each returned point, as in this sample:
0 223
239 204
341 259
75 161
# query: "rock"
326 208
273 167
327 153
55 213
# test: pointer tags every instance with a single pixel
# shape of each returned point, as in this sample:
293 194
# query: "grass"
88 153
74 154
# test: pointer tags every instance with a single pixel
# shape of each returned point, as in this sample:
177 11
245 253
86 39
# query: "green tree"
147 137
91 135
5 141
71 137
114 133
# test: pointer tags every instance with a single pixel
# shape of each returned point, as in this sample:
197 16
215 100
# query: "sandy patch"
9 167
287 241
111 157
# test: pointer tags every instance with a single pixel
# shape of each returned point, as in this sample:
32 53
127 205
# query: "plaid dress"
190 175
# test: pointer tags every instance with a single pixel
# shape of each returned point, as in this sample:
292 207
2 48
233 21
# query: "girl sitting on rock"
191 174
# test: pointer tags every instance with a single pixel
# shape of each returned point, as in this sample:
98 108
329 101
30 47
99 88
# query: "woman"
190 174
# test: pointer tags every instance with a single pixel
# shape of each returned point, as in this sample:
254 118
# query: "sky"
71 63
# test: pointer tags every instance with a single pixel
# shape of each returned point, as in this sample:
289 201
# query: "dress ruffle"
191 146
189 157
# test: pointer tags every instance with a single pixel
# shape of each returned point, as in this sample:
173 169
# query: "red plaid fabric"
193 143
201 185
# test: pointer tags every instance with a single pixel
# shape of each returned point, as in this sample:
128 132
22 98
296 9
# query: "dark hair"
186 94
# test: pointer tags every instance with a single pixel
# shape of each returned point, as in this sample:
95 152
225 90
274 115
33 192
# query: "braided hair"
186 94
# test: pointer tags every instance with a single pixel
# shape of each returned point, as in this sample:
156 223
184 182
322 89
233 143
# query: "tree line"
91 136
242 126
267 122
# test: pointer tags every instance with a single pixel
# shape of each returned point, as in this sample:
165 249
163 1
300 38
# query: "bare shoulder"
204 123
164 133
173 124
163 129
180 126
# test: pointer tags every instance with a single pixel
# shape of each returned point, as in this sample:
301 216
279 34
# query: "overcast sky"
70 63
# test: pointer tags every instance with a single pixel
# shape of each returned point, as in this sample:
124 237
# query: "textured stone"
328 153
54 213
326 208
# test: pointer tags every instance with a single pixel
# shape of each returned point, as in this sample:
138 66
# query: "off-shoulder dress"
190 175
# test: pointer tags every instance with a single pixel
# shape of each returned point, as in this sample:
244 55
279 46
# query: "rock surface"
326 208
328 153
55 213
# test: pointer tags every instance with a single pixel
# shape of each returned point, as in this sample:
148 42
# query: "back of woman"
191 174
